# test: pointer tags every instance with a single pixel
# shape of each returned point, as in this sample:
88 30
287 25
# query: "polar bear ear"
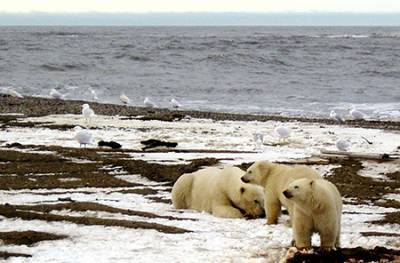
242 189
264 166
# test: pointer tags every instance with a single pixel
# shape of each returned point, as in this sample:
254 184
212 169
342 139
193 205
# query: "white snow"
378 170
213 239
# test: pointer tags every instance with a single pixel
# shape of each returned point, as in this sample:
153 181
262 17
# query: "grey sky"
200 6
202 18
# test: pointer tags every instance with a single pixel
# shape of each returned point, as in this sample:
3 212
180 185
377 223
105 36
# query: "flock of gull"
84 137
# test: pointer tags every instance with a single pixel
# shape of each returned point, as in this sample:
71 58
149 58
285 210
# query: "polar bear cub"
275 178
219 192
317 208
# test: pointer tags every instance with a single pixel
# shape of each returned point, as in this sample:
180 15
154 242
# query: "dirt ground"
18 170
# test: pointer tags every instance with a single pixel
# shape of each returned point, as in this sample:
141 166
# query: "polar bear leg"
273 210
302 230
226 211
328 239
337 241
328 236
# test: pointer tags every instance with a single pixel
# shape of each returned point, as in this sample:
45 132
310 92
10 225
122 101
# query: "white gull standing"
14 93
356 114
258 139
55 94
87 112
283 133
343 145
148 103
124 99
174 103
93 93
82 136
335 116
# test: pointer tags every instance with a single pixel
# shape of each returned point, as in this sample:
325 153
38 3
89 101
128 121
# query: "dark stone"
153 143
111 144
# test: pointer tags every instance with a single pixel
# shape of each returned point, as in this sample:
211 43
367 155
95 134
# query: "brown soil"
27 237
380 234
11 211
32 106
362 189
6 255
358 254
88 206
19 169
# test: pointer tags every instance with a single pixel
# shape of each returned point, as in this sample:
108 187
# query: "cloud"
200 18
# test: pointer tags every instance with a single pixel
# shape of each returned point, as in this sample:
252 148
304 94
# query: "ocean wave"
346 36
139 58
63 67
386 35
387 74
342 47
57 33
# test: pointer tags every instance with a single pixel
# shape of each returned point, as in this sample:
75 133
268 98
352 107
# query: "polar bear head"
300 190
251 200
258 172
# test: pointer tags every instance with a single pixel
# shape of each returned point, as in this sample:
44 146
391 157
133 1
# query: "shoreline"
37 107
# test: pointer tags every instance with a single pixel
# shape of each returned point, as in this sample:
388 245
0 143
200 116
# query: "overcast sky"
200 5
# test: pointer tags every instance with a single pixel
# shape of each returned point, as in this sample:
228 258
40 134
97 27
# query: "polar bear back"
204 188
327 195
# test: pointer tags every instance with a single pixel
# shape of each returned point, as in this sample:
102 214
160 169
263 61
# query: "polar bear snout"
245 179
287 194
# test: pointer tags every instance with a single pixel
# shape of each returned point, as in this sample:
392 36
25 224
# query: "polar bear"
219 192
275 178
317 207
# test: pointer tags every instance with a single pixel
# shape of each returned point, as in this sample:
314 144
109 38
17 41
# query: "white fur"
219 192
317 208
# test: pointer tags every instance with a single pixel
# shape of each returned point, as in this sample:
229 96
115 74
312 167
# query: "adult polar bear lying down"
219 192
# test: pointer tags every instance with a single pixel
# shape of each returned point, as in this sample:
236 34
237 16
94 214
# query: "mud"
358 254
6 255
363 190
10 211
27 237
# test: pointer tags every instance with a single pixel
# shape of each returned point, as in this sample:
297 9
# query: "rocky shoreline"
36 106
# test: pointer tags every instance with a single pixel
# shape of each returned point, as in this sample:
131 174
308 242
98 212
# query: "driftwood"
340 155
306 161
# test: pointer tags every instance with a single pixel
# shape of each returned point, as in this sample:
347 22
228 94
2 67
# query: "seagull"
94 94
356 114
283 133
14 93
125 99
343 145
338 118
87 112
174 103
55 94
83 136
148 103
258 139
